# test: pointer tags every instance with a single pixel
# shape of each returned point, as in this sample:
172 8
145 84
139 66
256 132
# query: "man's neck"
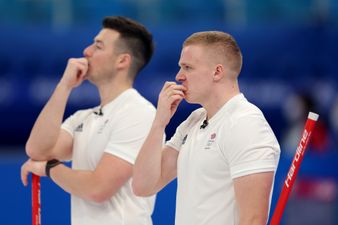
219 98
109 91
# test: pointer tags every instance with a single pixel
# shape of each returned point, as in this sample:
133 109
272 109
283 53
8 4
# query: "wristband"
50 164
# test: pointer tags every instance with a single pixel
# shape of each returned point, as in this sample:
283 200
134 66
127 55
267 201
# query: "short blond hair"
223 45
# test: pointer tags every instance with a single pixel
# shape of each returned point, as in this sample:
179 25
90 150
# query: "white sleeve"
129 134
70 124
75 121
251 147
182 130
177 139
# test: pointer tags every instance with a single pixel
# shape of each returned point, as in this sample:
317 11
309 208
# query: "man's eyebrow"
183 64
98 41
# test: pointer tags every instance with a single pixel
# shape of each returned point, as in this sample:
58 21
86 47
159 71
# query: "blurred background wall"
290 66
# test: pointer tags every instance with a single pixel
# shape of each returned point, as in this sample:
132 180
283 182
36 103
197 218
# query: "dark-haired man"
102 142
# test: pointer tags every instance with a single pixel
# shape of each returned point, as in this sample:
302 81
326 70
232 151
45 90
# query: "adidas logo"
184 139
79 128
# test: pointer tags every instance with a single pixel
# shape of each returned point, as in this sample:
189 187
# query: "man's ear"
219 72
123 61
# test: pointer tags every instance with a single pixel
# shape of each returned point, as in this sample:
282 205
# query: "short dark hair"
136 39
